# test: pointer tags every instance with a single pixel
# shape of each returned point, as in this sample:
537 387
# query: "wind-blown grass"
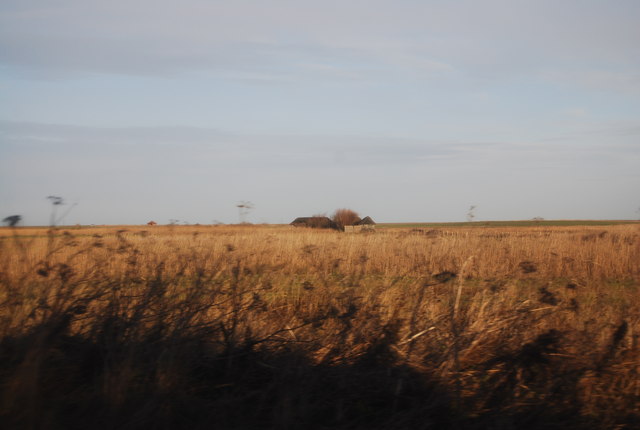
277 327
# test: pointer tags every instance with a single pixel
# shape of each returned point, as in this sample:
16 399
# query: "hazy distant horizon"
405 111
63 224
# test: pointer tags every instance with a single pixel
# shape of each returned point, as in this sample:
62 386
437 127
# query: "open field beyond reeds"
276 327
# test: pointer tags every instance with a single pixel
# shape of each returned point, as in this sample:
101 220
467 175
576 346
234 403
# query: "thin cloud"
163 38
285 176
202 146
624 82
452 102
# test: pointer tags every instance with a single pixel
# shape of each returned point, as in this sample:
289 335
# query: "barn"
366 221
365 224
314 222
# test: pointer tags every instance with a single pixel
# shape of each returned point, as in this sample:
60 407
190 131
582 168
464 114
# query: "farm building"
365 224
314 222
366 221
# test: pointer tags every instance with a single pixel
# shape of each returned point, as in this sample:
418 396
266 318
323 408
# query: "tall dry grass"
277 327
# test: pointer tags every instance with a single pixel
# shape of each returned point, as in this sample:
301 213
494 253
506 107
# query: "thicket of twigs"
265 327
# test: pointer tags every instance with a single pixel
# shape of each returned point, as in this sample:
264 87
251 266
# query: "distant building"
365 224
366 221
315 222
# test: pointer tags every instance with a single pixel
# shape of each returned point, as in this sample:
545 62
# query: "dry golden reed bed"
277 327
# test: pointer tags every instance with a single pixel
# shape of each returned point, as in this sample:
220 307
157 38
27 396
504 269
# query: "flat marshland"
278 327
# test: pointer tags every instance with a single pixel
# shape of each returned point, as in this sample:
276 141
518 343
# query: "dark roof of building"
314 221
366 221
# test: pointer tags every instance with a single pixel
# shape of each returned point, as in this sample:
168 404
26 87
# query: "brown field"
278 327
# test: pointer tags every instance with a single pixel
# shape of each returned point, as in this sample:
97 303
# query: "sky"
402 110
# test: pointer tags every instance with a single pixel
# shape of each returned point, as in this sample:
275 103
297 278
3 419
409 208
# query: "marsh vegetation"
278 327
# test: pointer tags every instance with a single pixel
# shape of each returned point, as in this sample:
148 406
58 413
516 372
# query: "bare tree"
243 210
470 214
344 217
12 220
55 202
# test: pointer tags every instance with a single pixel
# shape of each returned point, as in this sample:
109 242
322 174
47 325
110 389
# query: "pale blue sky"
402 110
